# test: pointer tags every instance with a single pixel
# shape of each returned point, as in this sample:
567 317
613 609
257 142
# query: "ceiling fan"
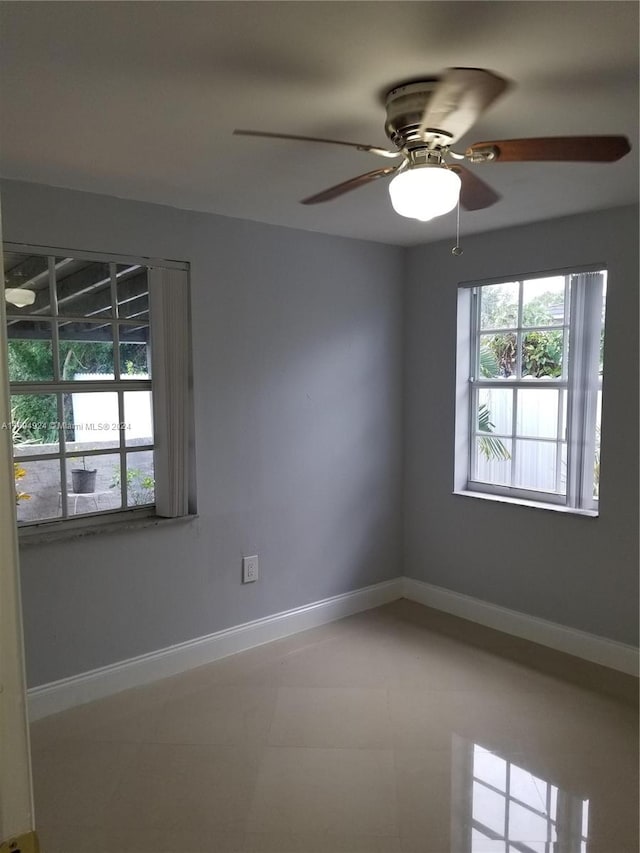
424 119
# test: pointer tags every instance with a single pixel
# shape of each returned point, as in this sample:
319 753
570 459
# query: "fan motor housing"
405 106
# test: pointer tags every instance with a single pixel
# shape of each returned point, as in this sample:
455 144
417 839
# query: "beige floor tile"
73 839
74 782
427 719
602 786
226 714
423 779
196 787
608 780
350 717
259 667
339 661
316 791
422 844
608 847
189 840
126 717
577 722
421 660
586 773
556 669
279 843
357 737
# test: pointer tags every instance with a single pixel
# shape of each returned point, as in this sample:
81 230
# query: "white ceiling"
139 99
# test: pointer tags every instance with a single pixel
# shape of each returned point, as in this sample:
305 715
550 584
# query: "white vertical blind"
586 313
169 309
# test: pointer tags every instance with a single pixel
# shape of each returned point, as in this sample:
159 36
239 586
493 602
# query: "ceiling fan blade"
475 194
371 149
459 99
351 184
587 149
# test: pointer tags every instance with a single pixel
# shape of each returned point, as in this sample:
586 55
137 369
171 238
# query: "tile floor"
398 730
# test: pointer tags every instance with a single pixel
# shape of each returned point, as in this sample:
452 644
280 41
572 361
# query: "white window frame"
170 383
580 383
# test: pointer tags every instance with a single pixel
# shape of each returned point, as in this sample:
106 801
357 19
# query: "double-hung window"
98 362
530 359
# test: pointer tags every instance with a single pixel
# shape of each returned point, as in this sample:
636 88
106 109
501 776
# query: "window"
530 359
98 370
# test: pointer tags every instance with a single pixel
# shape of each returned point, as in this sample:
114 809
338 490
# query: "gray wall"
298 347
298 380
577 571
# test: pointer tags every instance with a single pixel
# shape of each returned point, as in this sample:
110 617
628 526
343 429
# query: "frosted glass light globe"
18 297
424 191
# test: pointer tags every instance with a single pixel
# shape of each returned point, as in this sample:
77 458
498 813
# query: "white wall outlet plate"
249 569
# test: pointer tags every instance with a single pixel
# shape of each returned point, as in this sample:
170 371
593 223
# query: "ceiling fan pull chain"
456 249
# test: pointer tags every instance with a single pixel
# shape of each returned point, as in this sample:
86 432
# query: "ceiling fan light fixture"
19 297
424 191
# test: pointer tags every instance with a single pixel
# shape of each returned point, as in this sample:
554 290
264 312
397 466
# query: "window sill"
485 496
28 536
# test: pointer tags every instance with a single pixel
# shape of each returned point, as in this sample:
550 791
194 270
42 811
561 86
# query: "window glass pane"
83 289
596 461
86 351
537 412
536 465
34 424
528 788
135 356
495 410
604 301
37 489
133 292
529 847
91 421
543 301
553 808
93 483
488 808
499 305
489 768
138 417
562 487
525 826
28 273
481 843
498 356
30 355
493 460
140 478
542 354
585 818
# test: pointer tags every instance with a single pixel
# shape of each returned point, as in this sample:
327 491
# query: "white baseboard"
135 672
560 637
